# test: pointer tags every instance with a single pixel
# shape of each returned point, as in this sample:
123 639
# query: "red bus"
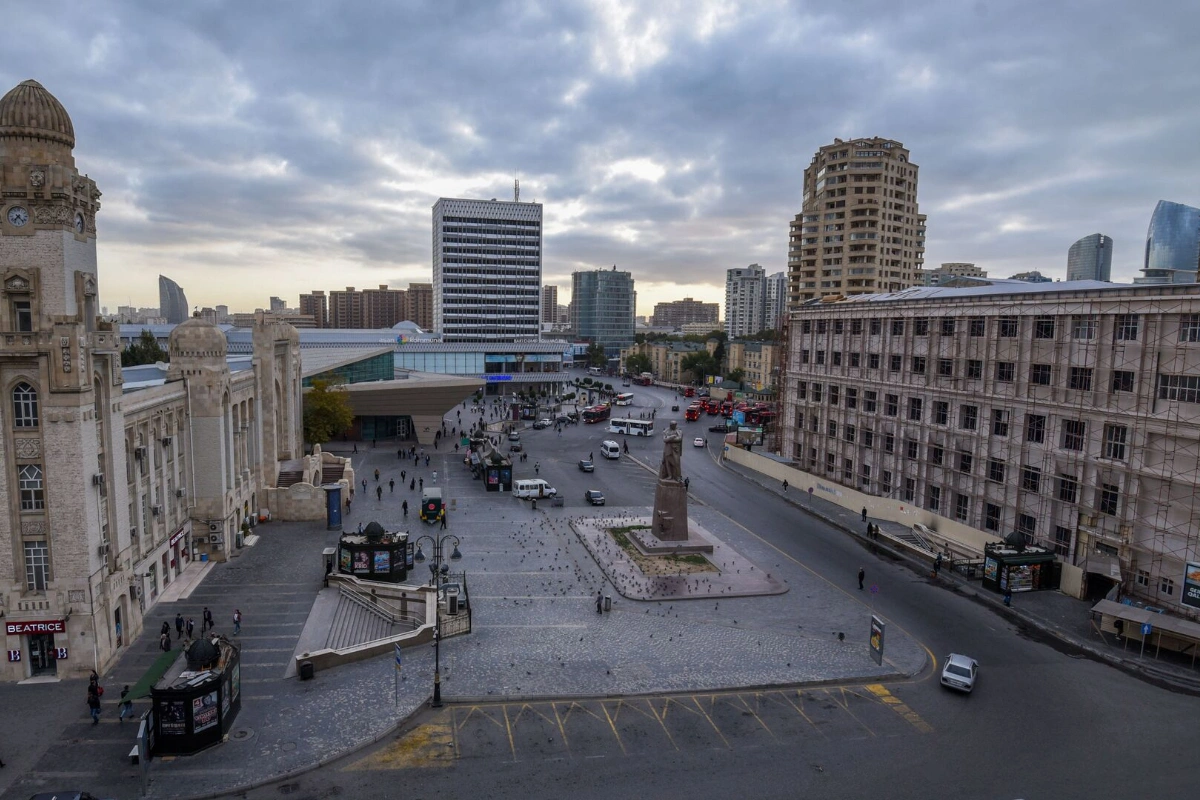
596 413
689 391
692 414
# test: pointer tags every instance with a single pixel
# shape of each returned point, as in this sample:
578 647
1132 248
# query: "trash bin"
239 539
452 600
306 670
608 602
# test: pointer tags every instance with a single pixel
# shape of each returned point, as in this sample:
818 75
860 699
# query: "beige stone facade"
666 358
678 313
860 230
1066 413
758 360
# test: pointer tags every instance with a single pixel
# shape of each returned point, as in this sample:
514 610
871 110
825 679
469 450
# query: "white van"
610 449
532 487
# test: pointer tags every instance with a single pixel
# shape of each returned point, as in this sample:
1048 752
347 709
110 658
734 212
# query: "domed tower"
62 466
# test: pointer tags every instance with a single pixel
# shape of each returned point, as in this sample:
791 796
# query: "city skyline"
629 125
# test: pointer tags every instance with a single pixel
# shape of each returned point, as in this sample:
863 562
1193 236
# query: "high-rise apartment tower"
745 299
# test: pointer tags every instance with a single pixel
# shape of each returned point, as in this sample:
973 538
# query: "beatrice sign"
35 626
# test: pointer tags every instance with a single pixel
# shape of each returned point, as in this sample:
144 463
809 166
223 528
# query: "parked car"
594 496
514 436
719 428
675 407
585 465
960 672
515 447
541 424
562 419
698 441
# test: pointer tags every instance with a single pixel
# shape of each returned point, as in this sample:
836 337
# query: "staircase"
355 622
289 477
332 473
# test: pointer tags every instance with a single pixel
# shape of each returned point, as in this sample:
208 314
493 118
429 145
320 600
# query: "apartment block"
1066 413
383 307
678 313
550 304
948 270
860 230
745 300
419 304
316 305
666 358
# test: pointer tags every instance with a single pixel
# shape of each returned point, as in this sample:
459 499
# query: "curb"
1134 668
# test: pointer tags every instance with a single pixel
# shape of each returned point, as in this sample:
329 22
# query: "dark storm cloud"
668 138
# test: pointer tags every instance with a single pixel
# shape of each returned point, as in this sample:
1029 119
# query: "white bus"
632 427
624 399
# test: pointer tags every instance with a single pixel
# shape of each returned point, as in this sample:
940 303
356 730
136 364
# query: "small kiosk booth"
1019 567
375 554
197 699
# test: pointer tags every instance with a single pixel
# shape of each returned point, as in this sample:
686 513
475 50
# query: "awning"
1103 564
1182 628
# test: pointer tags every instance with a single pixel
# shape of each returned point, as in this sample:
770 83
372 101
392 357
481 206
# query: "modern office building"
316 305
550 304
860 230
1066 413
678 313
1090 259
775 308
487 270
948 270
745 300
172 302
602 307
1172 245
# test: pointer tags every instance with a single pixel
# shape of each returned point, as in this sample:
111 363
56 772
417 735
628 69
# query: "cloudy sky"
249 149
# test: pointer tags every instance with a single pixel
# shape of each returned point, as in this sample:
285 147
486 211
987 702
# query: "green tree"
595 355
144 350
637 363
736 375
326 412
700 364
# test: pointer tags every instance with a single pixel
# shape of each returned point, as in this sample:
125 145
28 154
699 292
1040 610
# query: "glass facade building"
172 302
1090 259
1172 244
602 307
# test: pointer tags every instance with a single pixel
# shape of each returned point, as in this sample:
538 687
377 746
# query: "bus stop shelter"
1149 627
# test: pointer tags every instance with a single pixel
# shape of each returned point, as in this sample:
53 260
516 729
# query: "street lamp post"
437 568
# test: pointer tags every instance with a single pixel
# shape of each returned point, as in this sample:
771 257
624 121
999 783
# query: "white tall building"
776 301
487 270
745 300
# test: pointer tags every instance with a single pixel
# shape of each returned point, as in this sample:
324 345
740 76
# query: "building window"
856 327
1068 488
914 409
935 454
918 365
1189 328
855 360
962 507
852 398
839 326
885 482
991 517
920 326
847 471
1006 371
868 437
910 448
818 391
830 462
820 357
1074 433
864 476
1115 437
1062 540
848 432
897 327
1143 578
976 326
948 326
1080 379
1126 328
934 502
968 417
816 423
1122 381
25 406
1039 374
29 478
37 565
999 422
1031 479
799 420
941 412
822 325
895 363
1110 496
946 367
876 326
803 356
910 490
23 316
806 326
1166 586
889 443
1083 327
869 400
1043 328
974 369
1035 428
834 394
965 461
891 404
1027 527
837 358
872 360
1184 388
1008 327
995 470
831 429
802 390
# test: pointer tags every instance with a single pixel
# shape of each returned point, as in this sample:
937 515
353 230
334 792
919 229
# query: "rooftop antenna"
516 191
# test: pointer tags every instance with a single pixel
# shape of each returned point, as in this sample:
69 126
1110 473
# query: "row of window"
1126 327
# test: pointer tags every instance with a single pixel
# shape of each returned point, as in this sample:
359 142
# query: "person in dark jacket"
179 626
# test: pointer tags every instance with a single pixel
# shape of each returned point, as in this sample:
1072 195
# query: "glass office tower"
1172 244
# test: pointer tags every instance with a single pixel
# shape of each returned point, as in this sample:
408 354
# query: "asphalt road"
1041 724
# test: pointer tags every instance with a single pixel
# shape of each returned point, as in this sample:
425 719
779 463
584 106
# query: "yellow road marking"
427 745
900 707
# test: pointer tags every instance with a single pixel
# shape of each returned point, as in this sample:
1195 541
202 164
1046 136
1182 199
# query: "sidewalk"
1053 614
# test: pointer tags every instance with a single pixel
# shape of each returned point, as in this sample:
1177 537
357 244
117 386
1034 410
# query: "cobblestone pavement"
535 634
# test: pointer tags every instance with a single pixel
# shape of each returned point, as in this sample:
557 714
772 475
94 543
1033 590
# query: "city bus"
624 399
596 413
632 427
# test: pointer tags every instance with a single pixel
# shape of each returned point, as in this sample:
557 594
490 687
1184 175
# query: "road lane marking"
900 707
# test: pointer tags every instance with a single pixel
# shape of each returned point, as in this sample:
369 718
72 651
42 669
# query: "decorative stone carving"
16 284
89 290
76 596
27 447
51 215
37 178
33 528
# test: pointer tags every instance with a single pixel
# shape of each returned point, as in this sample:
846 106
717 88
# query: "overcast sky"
249 149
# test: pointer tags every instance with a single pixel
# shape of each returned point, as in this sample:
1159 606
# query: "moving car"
675 407
960 672
594 497
515 447
721 428
698 441
541 424
586 465
432 509
514 436
562 419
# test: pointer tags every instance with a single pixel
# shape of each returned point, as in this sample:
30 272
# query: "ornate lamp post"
437 567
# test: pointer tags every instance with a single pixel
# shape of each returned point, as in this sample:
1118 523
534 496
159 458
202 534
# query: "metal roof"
992 288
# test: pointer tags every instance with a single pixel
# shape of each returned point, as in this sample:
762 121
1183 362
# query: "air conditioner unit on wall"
166 442
97 479
216 546
102 550
179 492
133 532
214 539
156 510
139 452
214 527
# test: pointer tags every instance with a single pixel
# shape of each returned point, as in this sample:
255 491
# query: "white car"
960 672
698 441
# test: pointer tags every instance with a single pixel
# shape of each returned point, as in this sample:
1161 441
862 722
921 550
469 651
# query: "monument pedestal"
670 522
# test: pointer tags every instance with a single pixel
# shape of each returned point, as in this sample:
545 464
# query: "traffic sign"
1147 629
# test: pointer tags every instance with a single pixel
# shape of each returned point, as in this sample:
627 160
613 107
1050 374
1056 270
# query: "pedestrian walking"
356 447
592 456
164 641
379 493
405 507
391 485
537 468
208 620
237 621
1008 597
864 513
686 483
443 520
422 482
427 461
364 484
600 602
785 485
178 626
94 705
399 453
377 476
412 484
403 475
126 704
191 628
937 565
862 576
348 505
165 630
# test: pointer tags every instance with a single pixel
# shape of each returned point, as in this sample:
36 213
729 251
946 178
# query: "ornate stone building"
108 491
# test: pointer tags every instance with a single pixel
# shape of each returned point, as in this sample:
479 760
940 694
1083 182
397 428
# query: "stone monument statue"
670 495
